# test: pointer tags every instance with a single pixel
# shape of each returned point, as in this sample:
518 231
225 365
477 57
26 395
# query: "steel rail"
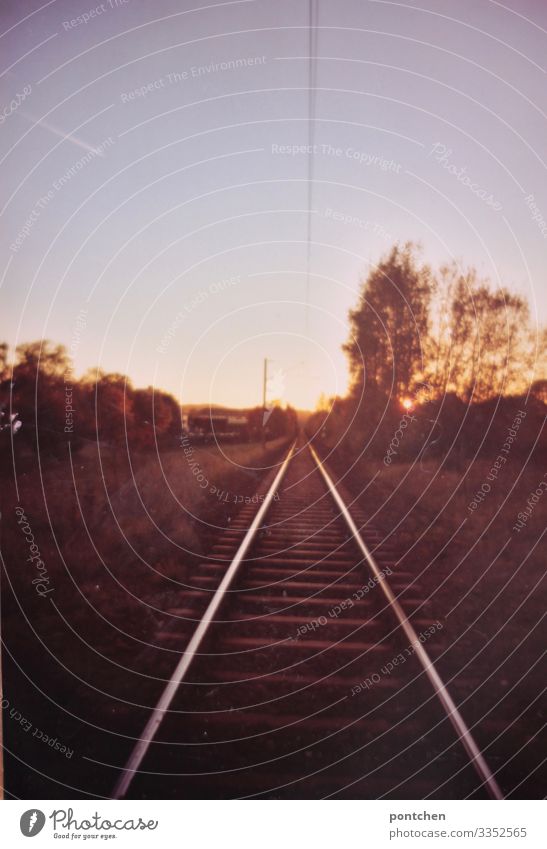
158 714
462 731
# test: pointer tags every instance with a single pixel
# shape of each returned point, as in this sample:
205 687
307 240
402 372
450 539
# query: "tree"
481 344
389 326
3 361
156 415
41 359
539 390
37 392
111 397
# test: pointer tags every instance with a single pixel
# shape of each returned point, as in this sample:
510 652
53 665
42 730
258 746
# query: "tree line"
458 354
449 331
46 405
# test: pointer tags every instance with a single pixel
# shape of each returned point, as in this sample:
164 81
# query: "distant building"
204 424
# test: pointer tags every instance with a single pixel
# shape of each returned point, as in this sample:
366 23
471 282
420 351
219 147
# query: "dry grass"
426 511
483 580
119 534
118 540
425 505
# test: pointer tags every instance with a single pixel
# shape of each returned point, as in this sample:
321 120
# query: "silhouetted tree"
481 343
111 397
155 415
37 392
389 326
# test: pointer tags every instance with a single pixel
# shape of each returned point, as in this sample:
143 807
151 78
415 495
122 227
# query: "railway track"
302 676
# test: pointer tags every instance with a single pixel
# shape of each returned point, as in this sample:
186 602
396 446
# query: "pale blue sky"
191 191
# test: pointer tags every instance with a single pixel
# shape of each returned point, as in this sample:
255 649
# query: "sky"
156 158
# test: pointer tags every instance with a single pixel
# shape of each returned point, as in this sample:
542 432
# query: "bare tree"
483 344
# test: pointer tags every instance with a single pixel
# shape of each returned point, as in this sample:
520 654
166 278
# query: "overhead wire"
312 99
